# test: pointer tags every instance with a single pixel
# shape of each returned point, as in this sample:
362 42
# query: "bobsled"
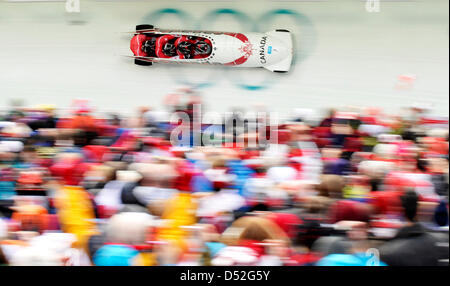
272 50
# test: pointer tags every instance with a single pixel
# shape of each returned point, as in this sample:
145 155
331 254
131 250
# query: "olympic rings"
303 46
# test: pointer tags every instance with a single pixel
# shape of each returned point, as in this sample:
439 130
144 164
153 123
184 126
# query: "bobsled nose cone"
278 52
282 50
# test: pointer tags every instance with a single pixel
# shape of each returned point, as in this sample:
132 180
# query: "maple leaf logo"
247 49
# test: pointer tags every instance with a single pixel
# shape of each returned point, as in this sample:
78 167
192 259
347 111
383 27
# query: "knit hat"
129 227
11 146
287 222
70 170
235 256
349 210
219 177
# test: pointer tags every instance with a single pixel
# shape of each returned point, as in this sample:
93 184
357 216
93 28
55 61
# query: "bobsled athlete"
202 49
148 47
165 46
185 45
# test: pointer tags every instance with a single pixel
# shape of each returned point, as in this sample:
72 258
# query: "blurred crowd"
358 187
